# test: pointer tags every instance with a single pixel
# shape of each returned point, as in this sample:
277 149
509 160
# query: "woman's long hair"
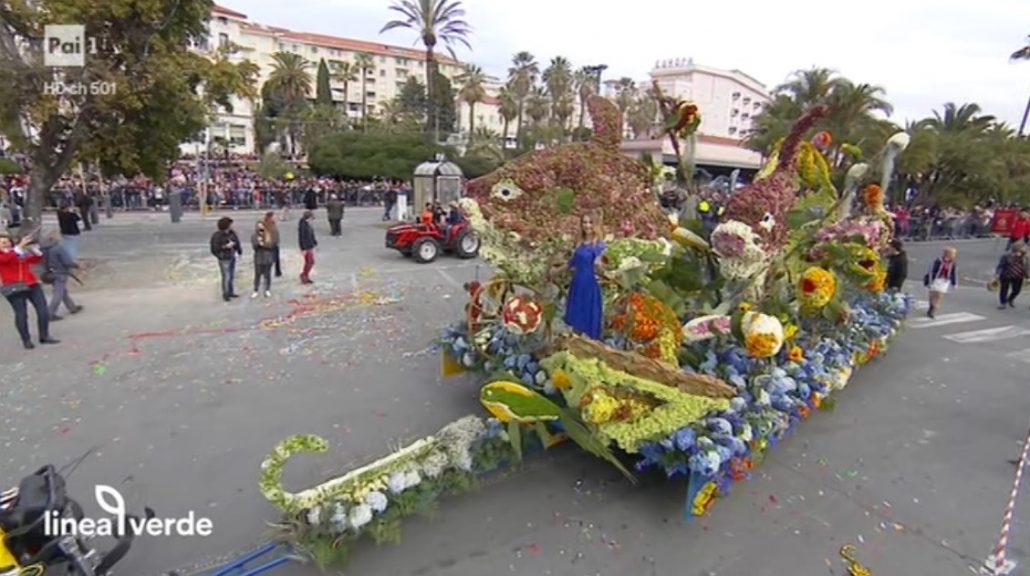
264 234
596 233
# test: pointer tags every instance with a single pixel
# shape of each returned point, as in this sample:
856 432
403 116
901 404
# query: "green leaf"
736 325
515 437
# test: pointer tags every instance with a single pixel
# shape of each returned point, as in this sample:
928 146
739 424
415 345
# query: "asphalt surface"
183 395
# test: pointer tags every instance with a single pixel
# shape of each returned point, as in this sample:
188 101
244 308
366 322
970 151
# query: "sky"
922 52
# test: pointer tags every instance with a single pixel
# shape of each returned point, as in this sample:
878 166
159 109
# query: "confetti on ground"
99 368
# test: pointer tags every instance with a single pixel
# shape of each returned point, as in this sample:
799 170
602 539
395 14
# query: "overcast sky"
923 52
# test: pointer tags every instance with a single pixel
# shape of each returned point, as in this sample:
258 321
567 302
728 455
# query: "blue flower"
684 439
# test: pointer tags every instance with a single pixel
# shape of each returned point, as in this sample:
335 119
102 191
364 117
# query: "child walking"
941 278
1012 270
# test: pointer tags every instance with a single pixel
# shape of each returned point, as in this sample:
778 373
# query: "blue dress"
584 310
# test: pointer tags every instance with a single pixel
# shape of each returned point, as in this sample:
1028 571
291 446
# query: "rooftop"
326 41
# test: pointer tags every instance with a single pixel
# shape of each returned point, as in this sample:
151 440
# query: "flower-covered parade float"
708 351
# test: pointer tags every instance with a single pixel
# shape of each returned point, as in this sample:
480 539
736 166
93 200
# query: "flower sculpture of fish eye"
522 315
767 223
738 247
506 190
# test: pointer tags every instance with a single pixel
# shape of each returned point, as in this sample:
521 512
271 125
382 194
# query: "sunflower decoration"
651 324
816 288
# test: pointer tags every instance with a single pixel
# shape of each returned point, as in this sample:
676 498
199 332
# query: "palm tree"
810 87
1023 54
853 109
642 114
560 82
585 82
434 21
472 92
345 73
290 84
365 64
508 108
964 119
538 105
522 77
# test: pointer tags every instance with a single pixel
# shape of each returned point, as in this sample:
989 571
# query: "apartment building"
391 67
728 99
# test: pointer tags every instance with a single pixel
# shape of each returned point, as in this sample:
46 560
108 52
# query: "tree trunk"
643 367
431 116
346 107
504 137
518 127
472 119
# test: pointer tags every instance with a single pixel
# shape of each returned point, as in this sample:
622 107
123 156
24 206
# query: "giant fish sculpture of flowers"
529 211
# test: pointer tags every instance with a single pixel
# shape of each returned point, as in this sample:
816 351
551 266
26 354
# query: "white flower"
411 478
396 483
549 388
434 464
629 263
360 515
339 518
857 171
377 501
755 324
745 432
899 140
315 516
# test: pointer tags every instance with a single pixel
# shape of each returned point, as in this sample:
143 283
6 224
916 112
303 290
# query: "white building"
728 99
258 43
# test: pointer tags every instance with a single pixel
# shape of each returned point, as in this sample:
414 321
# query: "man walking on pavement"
334 210
306 237
58 267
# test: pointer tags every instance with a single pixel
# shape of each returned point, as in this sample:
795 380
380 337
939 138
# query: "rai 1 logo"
66 45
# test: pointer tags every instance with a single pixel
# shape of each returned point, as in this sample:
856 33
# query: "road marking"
1021 355
921 305
450 279
945 319
988 334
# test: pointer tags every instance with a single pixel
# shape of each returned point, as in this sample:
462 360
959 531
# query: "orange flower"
873 196
817 400
804 411
796 354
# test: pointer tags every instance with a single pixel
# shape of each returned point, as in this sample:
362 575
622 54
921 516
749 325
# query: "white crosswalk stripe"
1020 355
988 335
921 305
945 320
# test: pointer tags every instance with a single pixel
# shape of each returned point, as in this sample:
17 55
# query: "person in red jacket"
1020 231
19 285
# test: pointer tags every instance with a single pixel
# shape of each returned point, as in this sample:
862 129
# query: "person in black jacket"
897 266
306 237
225 246
311 199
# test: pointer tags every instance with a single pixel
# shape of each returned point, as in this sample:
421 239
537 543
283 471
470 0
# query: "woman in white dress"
941 278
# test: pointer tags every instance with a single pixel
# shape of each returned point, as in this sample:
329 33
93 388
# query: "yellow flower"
744 307
789 331
763 334
561 380
879 282
704 499
816 287
796 354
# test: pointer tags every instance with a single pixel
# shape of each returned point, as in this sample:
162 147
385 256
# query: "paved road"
185 394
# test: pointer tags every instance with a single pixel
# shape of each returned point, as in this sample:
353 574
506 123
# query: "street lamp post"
1026 113
596 72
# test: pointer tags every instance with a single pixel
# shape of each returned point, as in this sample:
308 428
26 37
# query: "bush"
357 155
8 166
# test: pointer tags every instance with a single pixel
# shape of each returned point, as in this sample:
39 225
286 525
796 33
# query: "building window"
282 47
223 40
370 94
353 107
382 59
382 72
294 48
237 135
401 73
745 116
223 20
757 105
734 112
747 101
371 81
736 95
421 64
314 50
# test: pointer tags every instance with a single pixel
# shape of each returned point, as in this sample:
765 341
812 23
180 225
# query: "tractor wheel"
425 250
467 245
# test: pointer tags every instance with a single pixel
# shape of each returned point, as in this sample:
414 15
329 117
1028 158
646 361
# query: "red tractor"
424 242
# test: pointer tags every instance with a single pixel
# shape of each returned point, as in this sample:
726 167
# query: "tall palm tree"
560 82
643 114
625 93
853 109
538 105
290 85
365 65
522 77
1023 54
508 108
472 92
434 21
810 87
585 82
964 119
344 73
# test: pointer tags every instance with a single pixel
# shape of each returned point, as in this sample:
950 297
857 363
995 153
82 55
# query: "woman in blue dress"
584 309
